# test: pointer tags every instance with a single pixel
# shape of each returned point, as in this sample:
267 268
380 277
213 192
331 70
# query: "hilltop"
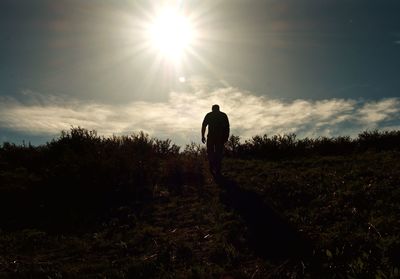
137 207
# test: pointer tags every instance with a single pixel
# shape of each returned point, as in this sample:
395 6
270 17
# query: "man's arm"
203 129
227 129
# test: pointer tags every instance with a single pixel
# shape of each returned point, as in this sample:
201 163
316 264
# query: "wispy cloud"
180 117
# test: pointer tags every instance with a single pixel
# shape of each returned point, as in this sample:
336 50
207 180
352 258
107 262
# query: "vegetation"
288 146
137 207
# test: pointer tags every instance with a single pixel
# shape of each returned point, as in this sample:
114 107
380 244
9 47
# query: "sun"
171 34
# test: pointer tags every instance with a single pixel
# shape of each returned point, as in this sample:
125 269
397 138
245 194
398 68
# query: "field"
136 207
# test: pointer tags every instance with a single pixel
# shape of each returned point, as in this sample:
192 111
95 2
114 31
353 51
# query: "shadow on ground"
271 236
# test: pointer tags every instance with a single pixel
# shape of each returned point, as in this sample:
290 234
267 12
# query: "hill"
136 207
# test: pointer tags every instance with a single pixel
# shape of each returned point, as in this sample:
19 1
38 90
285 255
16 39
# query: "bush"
288 146
77 177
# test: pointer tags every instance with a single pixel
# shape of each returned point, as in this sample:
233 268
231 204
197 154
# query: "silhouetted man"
218 134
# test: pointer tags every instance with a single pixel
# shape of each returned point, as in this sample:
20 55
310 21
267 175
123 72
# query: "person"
218 134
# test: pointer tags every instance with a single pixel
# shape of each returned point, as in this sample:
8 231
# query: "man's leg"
219 148
211 155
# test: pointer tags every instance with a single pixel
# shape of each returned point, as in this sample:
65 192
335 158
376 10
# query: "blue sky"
316 68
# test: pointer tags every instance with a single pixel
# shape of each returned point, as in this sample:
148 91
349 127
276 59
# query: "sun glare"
171 33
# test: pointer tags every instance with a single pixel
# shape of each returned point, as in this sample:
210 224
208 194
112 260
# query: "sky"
312 67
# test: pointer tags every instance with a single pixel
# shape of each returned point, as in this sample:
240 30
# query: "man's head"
215 108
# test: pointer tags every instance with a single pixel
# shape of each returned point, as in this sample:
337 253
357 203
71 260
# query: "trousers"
215 152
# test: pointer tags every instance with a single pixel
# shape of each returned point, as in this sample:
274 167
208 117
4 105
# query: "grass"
176 236
347 205
84 206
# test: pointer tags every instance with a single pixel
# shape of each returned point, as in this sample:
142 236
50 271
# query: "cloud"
376 112
180 117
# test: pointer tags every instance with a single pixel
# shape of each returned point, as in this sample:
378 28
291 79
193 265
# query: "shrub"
288 146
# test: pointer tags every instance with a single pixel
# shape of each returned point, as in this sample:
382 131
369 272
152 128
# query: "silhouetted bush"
378 140
80 175
77 177
288 146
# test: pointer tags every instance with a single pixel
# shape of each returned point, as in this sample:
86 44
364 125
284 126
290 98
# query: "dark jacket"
218 126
